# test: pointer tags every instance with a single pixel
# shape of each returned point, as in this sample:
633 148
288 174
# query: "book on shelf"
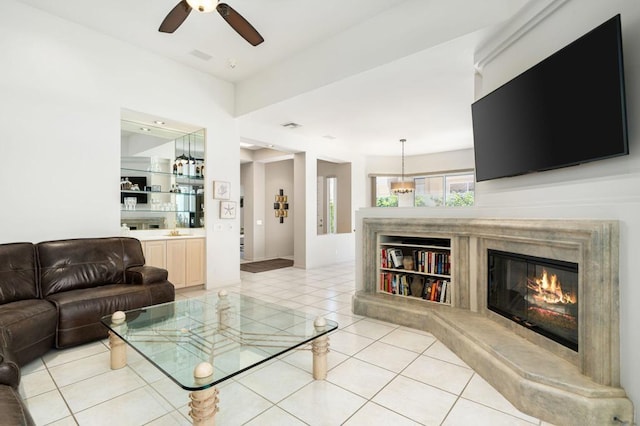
385 282
434 290
445 289
426 294
396 257
404 285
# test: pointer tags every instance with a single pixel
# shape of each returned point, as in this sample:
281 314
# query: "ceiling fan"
179 13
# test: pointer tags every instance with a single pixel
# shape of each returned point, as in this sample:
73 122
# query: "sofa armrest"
13 409
145 275
9 369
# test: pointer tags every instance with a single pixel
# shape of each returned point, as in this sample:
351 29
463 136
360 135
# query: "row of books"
436 290
433 262
430 262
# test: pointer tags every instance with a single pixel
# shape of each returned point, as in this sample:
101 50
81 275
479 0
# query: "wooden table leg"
320 348
118 347
204 403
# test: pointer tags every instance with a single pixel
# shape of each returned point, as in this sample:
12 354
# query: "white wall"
63 87
606 189
312 250
429 163
253 176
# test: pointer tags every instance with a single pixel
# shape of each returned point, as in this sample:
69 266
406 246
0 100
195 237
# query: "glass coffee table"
203 341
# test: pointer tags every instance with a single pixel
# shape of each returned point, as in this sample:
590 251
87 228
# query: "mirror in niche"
162 173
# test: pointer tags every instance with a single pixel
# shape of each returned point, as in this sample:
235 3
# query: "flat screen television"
566 110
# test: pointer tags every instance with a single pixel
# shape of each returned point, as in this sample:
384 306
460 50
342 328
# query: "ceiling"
359 72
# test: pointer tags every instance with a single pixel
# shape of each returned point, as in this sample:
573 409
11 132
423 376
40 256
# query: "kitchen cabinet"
183 258
155 253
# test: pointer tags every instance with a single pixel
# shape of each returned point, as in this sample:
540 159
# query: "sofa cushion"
84 263
79 311
18 272
13 410
27 328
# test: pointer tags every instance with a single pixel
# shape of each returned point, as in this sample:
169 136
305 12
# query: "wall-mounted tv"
566 110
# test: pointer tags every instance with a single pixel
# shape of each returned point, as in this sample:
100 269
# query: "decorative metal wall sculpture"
281 206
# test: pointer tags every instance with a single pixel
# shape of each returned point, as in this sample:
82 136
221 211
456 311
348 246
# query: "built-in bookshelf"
415 267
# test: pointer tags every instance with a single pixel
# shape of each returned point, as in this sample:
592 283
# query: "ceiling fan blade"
238 23
175 18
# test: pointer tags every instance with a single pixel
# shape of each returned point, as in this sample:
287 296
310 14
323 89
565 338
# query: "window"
451 190
429 191
460 190
384 197
332 199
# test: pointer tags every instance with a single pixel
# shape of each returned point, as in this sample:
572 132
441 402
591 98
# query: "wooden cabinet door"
176 254
155 253
195 262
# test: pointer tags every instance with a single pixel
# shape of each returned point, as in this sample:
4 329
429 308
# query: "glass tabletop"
231 332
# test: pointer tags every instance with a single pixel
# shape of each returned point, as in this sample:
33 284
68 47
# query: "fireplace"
537 293
537 374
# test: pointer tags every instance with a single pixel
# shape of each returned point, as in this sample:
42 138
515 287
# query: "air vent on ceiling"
200 54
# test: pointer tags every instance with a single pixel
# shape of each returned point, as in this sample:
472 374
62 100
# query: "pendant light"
403 187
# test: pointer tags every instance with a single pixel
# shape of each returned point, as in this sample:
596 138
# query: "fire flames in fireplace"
538 293
550 306
549 290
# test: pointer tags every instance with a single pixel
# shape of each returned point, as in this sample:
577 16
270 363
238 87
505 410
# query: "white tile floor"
379 374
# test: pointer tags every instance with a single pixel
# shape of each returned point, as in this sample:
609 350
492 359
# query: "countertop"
163 234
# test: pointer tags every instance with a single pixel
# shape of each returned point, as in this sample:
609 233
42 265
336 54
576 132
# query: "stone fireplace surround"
537 375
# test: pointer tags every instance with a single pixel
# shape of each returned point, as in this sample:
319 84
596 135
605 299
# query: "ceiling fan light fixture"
181 11
204 6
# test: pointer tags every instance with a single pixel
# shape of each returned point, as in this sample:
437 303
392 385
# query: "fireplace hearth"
538 293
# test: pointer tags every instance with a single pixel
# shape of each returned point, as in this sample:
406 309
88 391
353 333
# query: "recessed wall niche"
162 172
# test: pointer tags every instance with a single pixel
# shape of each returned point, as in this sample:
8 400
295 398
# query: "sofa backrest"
87 262
18 272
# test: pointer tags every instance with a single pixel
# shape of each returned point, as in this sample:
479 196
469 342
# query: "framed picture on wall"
227 210
221 190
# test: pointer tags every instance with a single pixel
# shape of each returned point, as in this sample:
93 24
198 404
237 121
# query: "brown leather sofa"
53 294
13 409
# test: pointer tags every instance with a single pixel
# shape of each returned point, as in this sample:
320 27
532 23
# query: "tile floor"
380 374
